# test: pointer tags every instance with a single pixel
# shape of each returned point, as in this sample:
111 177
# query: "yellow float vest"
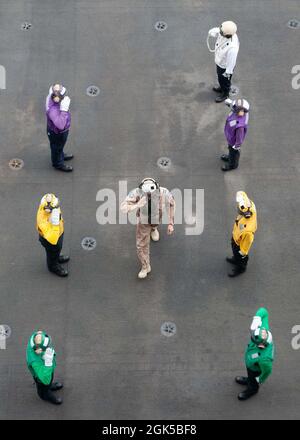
244 229
48 231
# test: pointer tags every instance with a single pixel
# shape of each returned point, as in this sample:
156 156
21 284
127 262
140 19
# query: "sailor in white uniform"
226 51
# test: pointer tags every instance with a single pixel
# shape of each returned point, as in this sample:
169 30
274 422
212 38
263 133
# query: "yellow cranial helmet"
50 201
244 204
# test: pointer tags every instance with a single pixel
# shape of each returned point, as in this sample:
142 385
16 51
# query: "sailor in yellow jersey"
244 228
50 226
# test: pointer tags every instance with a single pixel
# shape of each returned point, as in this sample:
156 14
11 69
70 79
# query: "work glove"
242 255
55 217
257 380
65 104
227 75
48 357
228 102
214 32
256 322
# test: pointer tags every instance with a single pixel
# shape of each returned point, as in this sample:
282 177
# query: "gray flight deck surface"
155 100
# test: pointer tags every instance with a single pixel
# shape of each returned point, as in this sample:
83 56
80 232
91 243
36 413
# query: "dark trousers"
57 143
225 83
233 157
52 251
252 385
241 263
44 391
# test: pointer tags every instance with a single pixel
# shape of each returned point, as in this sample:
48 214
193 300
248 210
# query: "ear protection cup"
148 179
246 214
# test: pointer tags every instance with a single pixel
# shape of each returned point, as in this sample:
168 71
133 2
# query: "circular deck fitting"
88 243
293 23
16 164
161 26
164 163
234 91
92 91
168 329
5 331
26 26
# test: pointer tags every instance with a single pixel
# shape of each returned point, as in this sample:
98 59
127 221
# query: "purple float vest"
233 122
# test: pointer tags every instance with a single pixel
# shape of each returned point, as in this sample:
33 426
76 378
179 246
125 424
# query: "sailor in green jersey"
259 355
41 362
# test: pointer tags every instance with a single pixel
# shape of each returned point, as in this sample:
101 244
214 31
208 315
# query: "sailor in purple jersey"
58 124
235 130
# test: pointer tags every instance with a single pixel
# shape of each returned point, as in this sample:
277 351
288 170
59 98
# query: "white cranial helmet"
244 204
148 185
241 104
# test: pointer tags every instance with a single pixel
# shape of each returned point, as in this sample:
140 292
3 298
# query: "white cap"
228 28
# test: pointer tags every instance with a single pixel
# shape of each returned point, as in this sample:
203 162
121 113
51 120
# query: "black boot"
53 399
241 380
236 271
217 89
66 168
59 271
231 260
225 157
68 156
56 386
226 168
63 259
222 97
246 394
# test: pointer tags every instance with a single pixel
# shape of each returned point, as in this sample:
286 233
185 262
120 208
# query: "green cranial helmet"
40 341
258 339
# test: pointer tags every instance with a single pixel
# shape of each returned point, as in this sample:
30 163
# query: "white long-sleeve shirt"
226 50
231 59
